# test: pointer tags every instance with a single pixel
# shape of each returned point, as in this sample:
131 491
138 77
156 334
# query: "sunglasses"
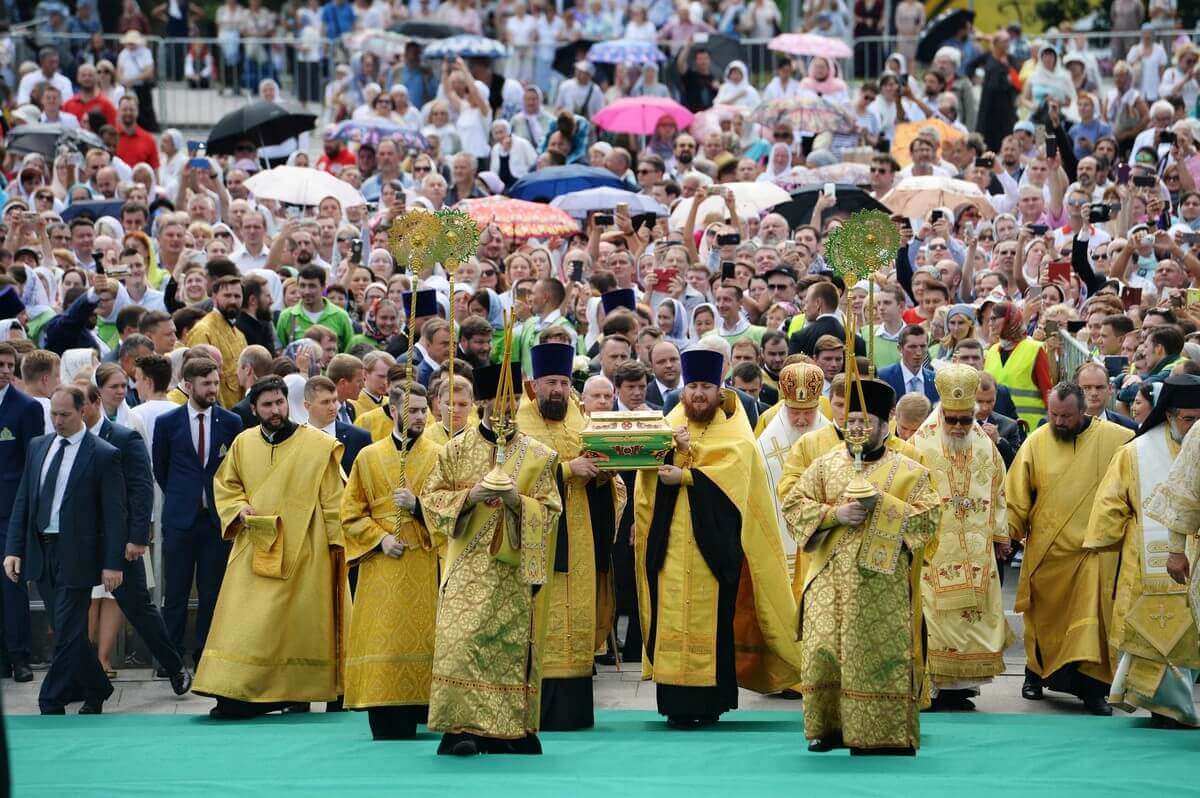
877 170
938 246
958 421
778 286
418 169
345 239
646 171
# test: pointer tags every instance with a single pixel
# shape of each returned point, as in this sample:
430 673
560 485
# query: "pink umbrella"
640 115
810 44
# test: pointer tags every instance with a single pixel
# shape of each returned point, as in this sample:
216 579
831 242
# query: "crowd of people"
205 392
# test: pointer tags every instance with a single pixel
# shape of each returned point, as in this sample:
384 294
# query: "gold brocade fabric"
389 658
378 422
365 403
487 664
767 658
859 628
1065 591
960 586
215 330
1176 502
280 639
575 627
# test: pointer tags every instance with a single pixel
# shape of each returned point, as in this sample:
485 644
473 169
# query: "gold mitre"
956 385
800 385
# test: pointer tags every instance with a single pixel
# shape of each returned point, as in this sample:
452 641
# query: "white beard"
956 445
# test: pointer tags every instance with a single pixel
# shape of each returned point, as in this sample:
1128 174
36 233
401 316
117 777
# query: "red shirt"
334 165
137 147
80 109
913 316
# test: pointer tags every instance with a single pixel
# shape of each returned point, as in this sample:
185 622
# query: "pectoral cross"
1162 616
778 452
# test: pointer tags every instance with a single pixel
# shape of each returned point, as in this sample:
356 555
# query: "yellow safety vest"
1016 374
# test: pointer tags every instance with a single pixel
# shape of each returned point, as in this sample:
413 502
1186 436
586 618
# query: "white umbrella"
750 199
580 203
302 185
916 196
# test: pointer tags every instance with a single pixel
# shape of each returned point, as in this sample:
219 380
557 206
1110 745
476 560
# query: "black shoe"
606 659
182 681
789 695
1096 705
681 721
899 751
92 707
297 708
1031 690
21 672
821 745
216 713
464 747
161 673
337 705
52 710
6 670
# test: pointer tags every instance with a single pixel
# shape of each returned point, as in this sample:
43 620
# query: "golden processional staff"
861 246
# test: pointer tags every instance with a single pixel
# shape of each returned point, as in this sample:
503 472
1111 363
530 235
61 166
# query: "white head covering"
76 360
295 385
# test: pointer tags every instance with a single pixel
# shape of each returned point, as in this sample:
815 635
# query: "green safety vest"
1016 374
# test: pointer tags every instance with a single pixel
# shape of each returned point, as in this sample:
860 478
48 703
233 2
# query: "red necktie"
200 441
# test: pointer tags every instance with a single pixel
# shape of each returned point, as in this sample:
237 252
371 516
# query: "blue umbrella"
466 47
544 185
626 51
93 209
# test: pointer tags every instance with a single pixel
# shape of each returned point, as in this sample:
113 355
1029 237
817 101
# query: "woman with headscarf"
672 318
702 322
512 156
75 362
170 170
779 164
533 121
736 90
822 81
648 85
960 325
1019 363
891 108
1048 79
381 322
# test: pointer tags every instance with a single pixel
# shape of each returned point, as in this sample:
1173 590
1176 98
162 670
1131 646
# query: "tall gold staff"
459 240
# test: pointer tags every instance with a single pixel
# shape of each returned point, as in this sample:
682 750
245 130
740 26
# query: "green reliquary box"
632 439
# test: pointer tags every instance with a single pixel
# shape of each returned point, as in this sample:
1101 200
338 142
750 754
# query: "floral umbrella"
813 114
520 219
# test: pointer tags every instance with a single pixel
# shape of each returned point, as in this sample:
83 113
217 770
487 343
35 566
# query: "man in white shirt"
630 379
46 73
580 94
253 252
52 112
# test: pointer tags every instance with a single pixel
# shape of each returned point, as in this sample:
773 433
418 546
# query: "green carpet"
627 754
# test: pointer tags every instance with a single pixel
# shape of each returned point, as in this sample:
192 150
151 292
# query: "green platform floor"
629 753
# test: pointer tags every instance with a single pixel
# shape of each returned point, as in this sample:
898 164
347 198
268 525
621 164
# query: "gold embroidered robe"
378 422
859 617
487 662
279 628
960 585
389 659
1065 591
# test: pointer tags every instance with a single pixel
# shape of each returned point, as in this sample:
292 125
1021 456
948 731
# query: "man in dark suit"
1004 430
348 377
664 362
1092 378
820 314
189 445
911 375
133 597
321 403
21 420
75 328
68 532
254 363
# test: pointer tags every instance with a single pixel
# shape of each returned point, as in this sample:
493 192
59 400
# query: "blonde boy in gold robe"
860 606
580 596
1153 634
487 667
217 329
1065 591
711 573
960 585
278 632
390 656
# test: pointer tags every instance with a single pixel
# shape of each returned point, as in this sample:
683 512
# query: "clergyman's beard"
956 445
701 415
273 424
553 409
231 313
263 313
1064 435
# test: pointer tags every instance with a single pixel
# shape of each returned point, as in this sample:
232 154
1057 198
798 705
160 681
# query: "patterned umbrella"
520 219
812 114
625 51
640 115
466 47
845 172
373 133
809 44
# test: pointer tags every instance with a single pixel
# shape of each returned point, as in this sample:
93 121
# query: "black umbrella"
566 56
942 29
850 198
425 29
721 50
45 139
263 123
93 209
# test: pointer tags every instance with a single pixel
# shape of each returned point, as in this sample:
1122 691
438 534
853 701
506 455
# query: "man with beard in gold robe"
711 574
860 606
278 633
960 586
1153 634
390 655
1065 591
487 666
580 596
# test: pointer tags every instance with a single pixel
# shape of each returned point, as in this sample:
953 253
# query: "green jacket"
294 322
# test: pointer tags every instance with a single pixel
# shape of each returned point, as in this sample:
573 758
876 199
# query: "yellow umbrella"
907 131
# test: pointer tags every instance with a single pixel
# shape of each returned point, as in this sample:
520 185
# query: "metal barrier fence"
200 79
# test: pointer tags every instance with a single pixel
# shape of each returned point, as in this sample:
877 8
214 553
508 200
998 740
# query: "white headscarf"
76 360
737 92
1055 82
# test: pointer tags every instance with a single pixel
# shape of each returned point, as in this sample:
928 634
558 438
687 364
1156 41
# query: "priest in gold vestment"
389 659
710 568
960 585
278 633
1065 591
859 617
580 596
485 693
1153 635
217 329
